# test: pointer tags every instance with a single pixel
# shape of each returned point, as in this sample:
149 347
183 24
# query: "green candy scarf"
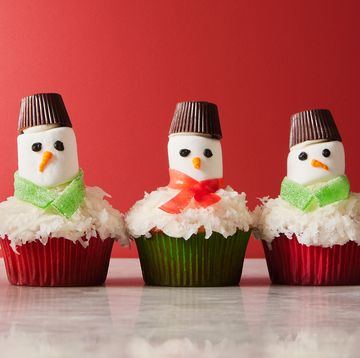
307 198
65 202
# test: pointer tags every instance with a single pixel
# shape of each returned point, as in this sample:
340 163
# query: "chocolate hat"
43 108
196 117
315 124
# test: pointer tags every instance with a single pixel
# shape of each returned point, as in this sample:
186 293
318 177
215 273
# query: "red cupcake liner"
61 262
292 263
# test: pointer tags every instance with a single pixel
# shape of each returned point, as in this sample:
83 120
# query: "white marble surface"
126 319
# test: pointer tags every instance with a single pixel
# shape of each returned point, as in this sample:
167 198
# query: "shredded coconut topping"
225 217
22 222
333 224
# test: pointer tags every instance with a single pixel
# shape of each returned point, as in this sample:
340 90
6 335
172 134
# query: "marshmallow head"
199 157
312 162
48 157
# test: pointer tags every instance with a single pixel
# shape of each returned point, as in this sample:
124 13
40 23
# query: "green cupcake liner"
169 261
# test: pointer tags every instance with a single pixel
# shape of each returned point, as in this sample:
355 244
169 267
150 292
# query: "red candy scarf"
203 192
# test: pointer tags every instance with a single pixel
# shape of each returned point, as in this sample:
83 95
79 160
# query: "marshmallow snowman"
47 156
316 150
197 156
315 161
194 146
47 149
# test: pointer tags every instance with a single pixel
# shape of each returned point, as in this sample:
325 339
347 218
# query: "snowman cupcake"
193 232
54 230
311 233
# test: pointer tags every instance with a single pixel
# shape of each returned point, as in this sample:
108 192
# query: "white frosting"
224 217
332 224
305 173
210 168
23 222
62 166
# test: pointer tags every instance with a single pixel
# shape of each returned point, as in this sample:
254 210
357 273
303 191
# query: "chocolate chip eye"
36 147
208 153
303 156
58 145
184 152
326 153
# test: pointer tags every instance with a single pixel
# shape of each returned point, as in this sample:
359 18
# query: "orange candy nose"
317 164
45 159
196 162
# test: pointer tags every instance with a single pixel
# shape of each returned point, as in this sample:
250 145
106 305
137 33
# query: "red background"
121 66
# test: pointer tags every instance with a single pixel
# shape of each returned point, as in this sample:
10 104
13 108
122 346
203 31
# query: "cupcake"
311 232
194 231
54 231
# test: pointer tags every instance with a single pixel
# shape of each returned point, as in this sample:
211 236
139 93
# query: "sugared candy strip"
307 198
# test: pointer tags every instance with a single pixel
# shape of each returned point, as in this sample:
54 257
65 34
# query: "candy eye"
36 147
302 156
184 152
208 153
58 145
326 153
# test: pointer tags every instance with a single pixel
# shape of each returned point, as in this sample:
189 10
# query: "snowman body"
197 156
313 162
47 155
196 170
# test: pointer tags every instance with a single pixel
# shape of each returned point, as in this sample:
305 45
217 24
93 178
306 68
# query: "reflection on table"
126 319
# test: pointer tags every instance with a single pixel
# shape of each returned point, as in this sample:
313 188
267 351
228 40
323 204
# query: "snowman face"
314 162
197 156
48 158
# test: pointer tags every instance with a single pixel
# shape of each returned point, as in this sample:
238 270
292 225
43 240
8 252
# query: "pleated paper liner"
60 262
169 261
292 263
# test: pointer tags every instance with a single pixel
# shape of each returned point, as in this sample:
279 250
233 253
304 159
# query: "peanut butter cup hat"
196 117
43 108
315 124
